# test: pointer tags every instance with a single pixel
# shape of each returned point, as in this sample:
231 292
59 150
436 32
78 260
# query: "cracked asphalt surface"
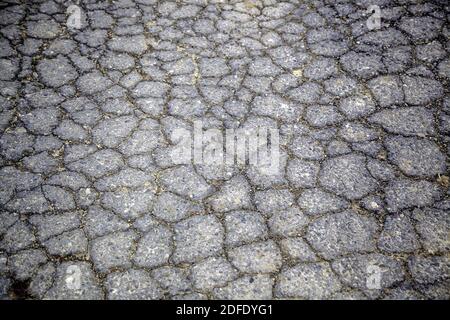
87 182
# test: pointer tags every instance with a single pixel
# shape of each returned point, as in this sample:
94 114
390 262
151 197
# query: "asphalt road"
94 205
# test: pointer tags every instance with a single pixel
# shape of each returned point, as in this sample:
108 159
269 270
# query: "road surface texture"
93 206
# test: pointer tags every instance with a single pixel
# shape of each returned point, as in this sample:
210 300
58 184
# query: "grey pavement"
93 205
